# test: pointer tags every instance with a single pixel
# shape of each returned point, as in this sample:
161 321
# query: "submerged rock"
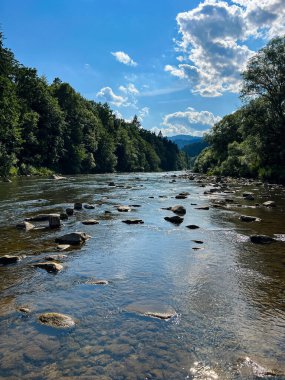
74 238
55 257
26 226
247 218
202 208
248 367
90 222
261 239
133 221
49 266
57 320
9 259
174 219
97 282
152 309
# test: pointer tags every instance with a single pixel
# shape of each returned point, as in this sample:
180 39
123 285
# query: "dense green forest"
251 141
50 127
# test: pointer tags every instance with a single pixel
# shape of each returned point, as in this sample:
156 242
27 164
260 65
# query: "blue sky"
174 63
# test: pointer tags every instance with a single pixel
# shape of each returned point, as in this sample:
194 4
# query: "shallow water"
229 296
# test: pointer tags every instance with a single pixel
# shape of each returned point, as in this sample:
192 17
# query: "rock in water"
192 226
174 219
124 208
77 206
69 211
90 222
55 257
42 217
202 208
133 221
89 207
9 259
181 196
54 221
74 238
57 320
246 218
269 204
152 309
261 239
26 226
49 266
179 210
97 282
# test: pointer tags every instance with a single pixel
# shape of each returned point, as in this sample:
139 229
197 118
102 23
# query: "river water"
229 295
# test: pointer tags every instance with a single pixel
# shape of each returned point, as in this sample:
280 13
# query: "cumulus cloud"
214 38
109 96
143 112
124 58
129 89
188 122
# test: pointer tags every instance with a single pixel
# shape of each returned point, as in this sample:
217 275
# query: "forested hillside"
251 141
50 127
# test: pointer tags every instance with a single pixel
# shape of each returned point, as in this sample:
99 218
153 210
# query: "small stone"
56 320
261 239
26 226
179 210
111 184
198 241
152 309
63 247
247 218
269 204
49 266
69 211
77 206
174 219
57 177
192 226
133 221
55 257
24 309
89 207
202 208
90 222
181 196
124 208
197 248
9 259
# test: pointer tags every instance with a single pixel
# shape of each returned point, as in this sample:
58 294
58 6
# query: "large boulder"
54 221
179 210
57 320
174 219
73 238
261 239
42 217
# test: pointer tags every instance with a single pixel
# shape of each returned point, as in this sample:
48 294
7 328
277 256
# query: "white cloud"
143 112
130 88
124 58
214 37
189 122
110 97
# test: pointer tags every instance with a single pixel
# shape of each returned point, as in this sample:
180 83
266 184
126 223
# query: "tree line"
251 141
48 128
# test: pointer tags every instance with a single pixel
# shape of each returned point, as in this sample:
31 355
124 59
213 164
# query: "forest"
250 141
46 128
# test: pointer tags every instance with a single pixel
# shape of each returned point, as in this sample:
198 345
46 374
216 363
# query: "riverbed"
228 294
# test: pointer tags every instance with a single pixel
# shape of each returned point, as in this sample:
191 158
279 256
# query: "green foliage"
250 142
50 127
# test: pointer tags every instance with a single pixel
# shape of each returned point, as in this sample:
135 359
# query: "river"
228 293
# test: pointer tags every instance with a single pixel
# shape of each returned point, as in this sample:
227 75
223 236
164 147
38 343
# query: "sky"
175 64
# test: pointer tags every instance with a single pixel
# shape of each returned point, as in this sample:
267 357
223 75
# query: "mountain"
195 148
182 140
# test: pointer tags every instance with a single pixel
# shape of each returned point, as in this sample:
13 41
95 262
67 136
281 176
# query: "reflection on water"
229 297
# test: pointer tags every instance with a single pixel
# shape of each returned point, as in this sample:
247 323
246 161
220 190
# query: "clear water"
229 296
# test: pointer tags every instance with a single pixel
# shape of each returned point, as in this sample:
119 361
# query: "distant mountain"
182 140
195 148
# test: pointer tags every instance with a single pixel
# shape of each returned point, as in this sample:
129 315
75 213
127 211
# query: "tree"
265 76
